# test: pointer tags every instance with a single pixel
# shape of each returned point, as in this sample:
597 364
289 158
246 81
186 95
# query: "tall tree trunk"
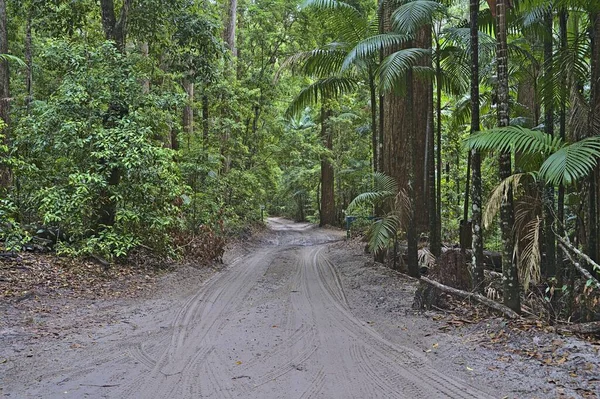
29 61
145 50
396 132
511 287
374 136
563 18
114 29
230 26
594 130
435 244
5 179
411 231
327 178
476 225
549 257
205 116
188 113
436 234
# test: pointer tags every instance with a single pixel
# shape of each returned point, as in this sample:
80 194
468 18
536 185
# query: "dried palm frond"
531 257
500 194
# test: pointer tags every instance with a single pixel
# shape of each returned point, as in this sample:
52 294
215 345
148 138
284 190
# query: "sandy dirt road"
274 324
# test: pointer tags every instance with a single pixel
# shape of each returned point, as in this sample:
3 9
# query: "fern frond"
396 65
515 138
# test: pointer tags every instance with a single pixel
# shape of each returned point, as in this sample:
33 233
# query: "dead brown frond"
499 194
530 258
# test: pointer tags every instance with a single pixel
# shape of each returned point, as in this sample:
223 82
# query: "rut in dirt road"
274 324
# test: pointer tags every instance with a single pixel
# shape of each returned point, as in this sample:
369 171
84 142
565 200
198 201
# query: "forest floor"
295 312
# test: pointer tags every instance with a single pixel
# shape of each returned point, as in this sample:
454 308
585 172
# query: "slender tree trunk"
512 297
205 116
477 243
230 26
327 176
411 231
373 92
594 130
563 18
549 257
436 241
188 114
115 30
5 179
145 50
435 245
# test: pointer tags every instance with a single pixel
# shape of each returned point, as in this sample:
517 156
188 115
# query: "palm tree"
511 279
558 164
477 243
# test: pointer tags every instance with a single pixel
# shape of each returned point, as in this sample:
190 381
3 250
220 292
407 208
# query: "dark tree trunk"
549 257
28 62
411 231
477 243
5 179
230 26
594 130
562 132
374 136
327 178
511 287
114 29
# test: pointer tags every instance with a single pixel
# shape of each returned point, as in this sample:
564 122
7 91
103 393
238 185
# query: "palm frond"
396 65
531 257
515 138
492 207
12 58
571 162
412 15
330 87
371 46
317 62
383 232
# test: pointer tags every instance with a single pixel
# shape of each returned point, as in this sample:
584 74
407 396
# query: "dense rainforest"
148 123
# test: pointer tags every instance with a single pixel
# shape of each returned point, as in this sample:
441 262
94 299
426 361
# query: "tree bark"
188 113
397 142
327 176
230 26
476 209
411 231
114 29
205 116
549 255
5 179
594 130
374 136
563 19
145 50
512 297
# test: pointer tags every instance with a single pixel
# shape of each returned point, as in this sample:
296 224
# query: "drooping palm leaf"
411 16
499 194
383 232
371 46
515 138
330 87
395 66
12 58
571 162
